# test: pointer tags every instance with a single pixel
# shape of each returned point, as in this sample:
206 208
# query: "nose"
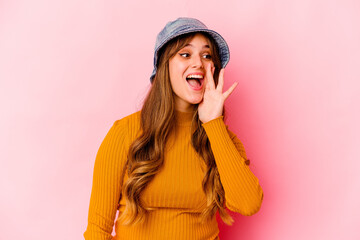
197 62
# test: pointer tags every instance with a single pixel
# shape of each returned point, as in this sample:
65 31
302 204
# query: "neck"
184 118
183 106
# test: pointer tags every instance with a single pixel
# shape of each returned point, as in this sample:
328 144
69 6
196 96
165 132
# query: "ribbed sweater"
175 192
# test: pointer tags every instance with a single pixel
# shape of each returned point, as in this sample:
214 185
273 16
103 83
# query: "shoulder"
128 126
133 118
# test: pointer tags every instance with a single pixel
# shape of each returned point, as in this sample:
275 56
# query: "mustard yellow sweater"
175 192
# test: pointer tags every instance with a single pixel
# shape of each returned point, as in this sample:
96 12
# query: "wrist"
212 119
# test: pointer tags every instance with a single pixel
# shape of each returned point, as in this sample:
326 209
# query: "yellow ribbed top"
175 192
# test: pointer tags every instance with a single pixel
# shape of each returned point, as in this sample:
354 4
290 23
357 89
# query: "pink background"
69 69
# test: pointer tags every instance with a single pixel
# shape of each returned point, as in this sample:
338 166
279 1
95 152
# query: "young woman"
171 166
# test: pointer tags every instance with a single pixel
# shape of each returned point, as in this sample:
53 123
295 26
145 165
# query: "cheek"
175 79
176 69
212 66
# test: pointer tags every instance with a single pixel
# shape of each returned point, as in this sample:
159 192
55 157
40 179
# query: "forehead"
199 40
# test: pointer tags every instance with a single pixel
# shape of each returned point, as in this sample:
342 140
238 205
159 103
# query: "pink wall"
69 69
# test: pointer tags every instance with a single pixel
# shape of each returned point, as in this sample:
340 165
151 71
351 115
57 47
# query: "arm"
243 193
106 188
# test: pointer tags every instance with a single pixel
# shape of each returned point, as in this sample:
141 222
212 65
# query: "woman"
171 166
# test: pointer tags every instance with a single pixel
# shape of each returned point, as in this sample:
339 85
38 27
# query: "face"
187 72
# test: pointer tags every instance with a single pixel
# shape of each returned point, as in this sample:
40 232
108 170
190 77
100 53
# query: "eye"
184 54
208 56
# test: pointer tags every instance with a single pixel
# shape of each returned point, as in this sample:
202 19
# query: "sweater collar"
183 118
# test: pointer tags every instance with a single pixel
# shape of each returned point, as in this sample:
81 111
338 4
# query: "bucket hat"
184 25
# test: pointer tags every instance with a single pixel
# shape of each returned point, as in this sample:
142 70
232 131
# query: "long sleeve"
106 188
243 193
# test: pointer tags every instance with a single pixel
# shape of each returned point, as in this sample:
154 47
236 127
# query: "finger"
230 90
210 84
220 85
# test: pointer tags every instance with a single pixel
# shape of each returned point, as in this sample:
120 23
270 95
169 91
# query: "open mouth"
195 81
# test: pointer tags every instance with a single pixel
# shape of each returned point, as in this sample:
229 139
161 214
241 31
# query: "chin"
195 98
197 101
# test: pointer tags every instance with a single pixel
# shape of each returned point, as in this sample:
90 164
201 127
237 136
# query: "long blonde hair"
146 153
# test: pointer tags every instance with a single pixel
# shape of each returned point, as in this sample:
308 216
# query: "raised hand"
212 104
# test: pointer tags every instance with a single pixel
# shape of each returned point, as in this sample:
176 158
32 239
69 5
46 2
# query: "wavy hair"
146 153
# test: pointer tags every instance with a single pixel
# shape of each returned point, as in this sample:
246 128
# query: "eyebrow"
189 44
